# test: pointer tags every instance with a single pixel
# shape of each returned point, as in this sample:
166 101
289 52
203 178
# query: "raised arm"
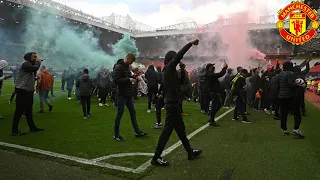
28 67
176 60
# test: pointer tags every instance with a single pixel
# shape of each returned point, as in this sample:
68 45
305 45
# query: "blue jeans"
128 101
43 96
216 105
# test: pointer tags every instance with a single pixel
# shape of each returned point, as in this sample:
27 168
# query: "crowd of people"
275 90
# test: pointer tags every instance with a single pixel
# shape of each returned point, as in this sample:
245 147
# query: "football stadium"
86 97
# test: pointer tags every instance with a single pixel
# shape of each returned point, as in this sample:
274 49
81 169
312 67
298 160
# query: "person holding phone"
24 85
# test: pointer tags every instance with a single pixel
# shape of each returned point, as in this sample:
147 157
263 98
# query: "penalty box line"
95 162
67 157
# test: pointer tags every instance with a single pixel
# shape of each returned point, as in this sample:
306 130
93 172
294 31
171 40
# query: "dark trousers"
51 89
103 93
292 105
24 103
173 121
181 103
216 105
159 106
266 100
69 92
13 95
63 83
78 94
152 95
204 101
121 102
240 108
85 102
113 94
276 106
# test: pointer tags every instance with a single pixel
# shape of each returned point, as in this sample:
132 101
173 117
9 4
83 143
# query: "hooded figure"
26 75
153 81
288 100
25 89
174 120
301 90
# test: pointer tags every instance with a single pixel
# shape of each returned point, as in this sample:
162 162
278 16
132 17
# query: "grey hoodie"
26 74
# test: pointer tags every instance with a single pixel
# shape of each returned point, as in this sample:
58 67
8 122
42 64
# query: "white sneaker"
100 104
85 117
69 98
149 111
106 104
298 133
99 99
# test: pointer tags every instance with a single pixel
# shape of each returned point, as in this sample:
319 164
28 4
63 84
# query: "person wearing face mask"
24 85
213 83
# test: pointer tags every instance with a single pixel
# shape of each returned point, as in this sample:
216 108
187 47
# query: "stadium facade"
151 42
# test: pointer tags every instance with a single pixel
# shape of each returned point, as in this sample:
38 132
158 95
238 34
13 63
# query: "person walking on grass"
125 81
104 87
85 86
44 84
289 98
171 92
25 89
3 64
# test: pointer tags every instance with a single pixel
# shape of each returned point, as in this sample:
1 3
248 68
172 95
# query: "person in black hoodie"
203 92
85 86
302 75
184 85
171 92
287 93
153 81
255 86
275 94
24 85
213 83
160 104
123 78
239 93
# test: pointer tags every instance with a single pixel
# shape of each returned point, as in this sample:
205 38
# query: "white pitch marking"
95 162
145 165
72 158
121 155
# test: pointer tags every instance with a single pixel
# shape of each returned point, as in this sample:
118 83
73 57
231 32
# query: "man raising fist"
171 93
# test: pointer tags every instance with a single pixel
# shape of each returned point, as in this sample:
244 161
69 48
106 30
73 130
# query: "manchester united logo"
297 12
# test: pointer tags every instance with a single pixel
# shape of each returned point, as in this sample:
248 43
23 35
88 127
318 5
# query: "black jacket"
239 87
274 86
85 85
227 81
153 78
121 77
212 80
287 86
171 82
255 82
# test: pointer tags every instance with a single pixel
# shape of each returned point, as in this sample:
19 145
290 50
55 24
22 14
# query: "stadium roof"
121 24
